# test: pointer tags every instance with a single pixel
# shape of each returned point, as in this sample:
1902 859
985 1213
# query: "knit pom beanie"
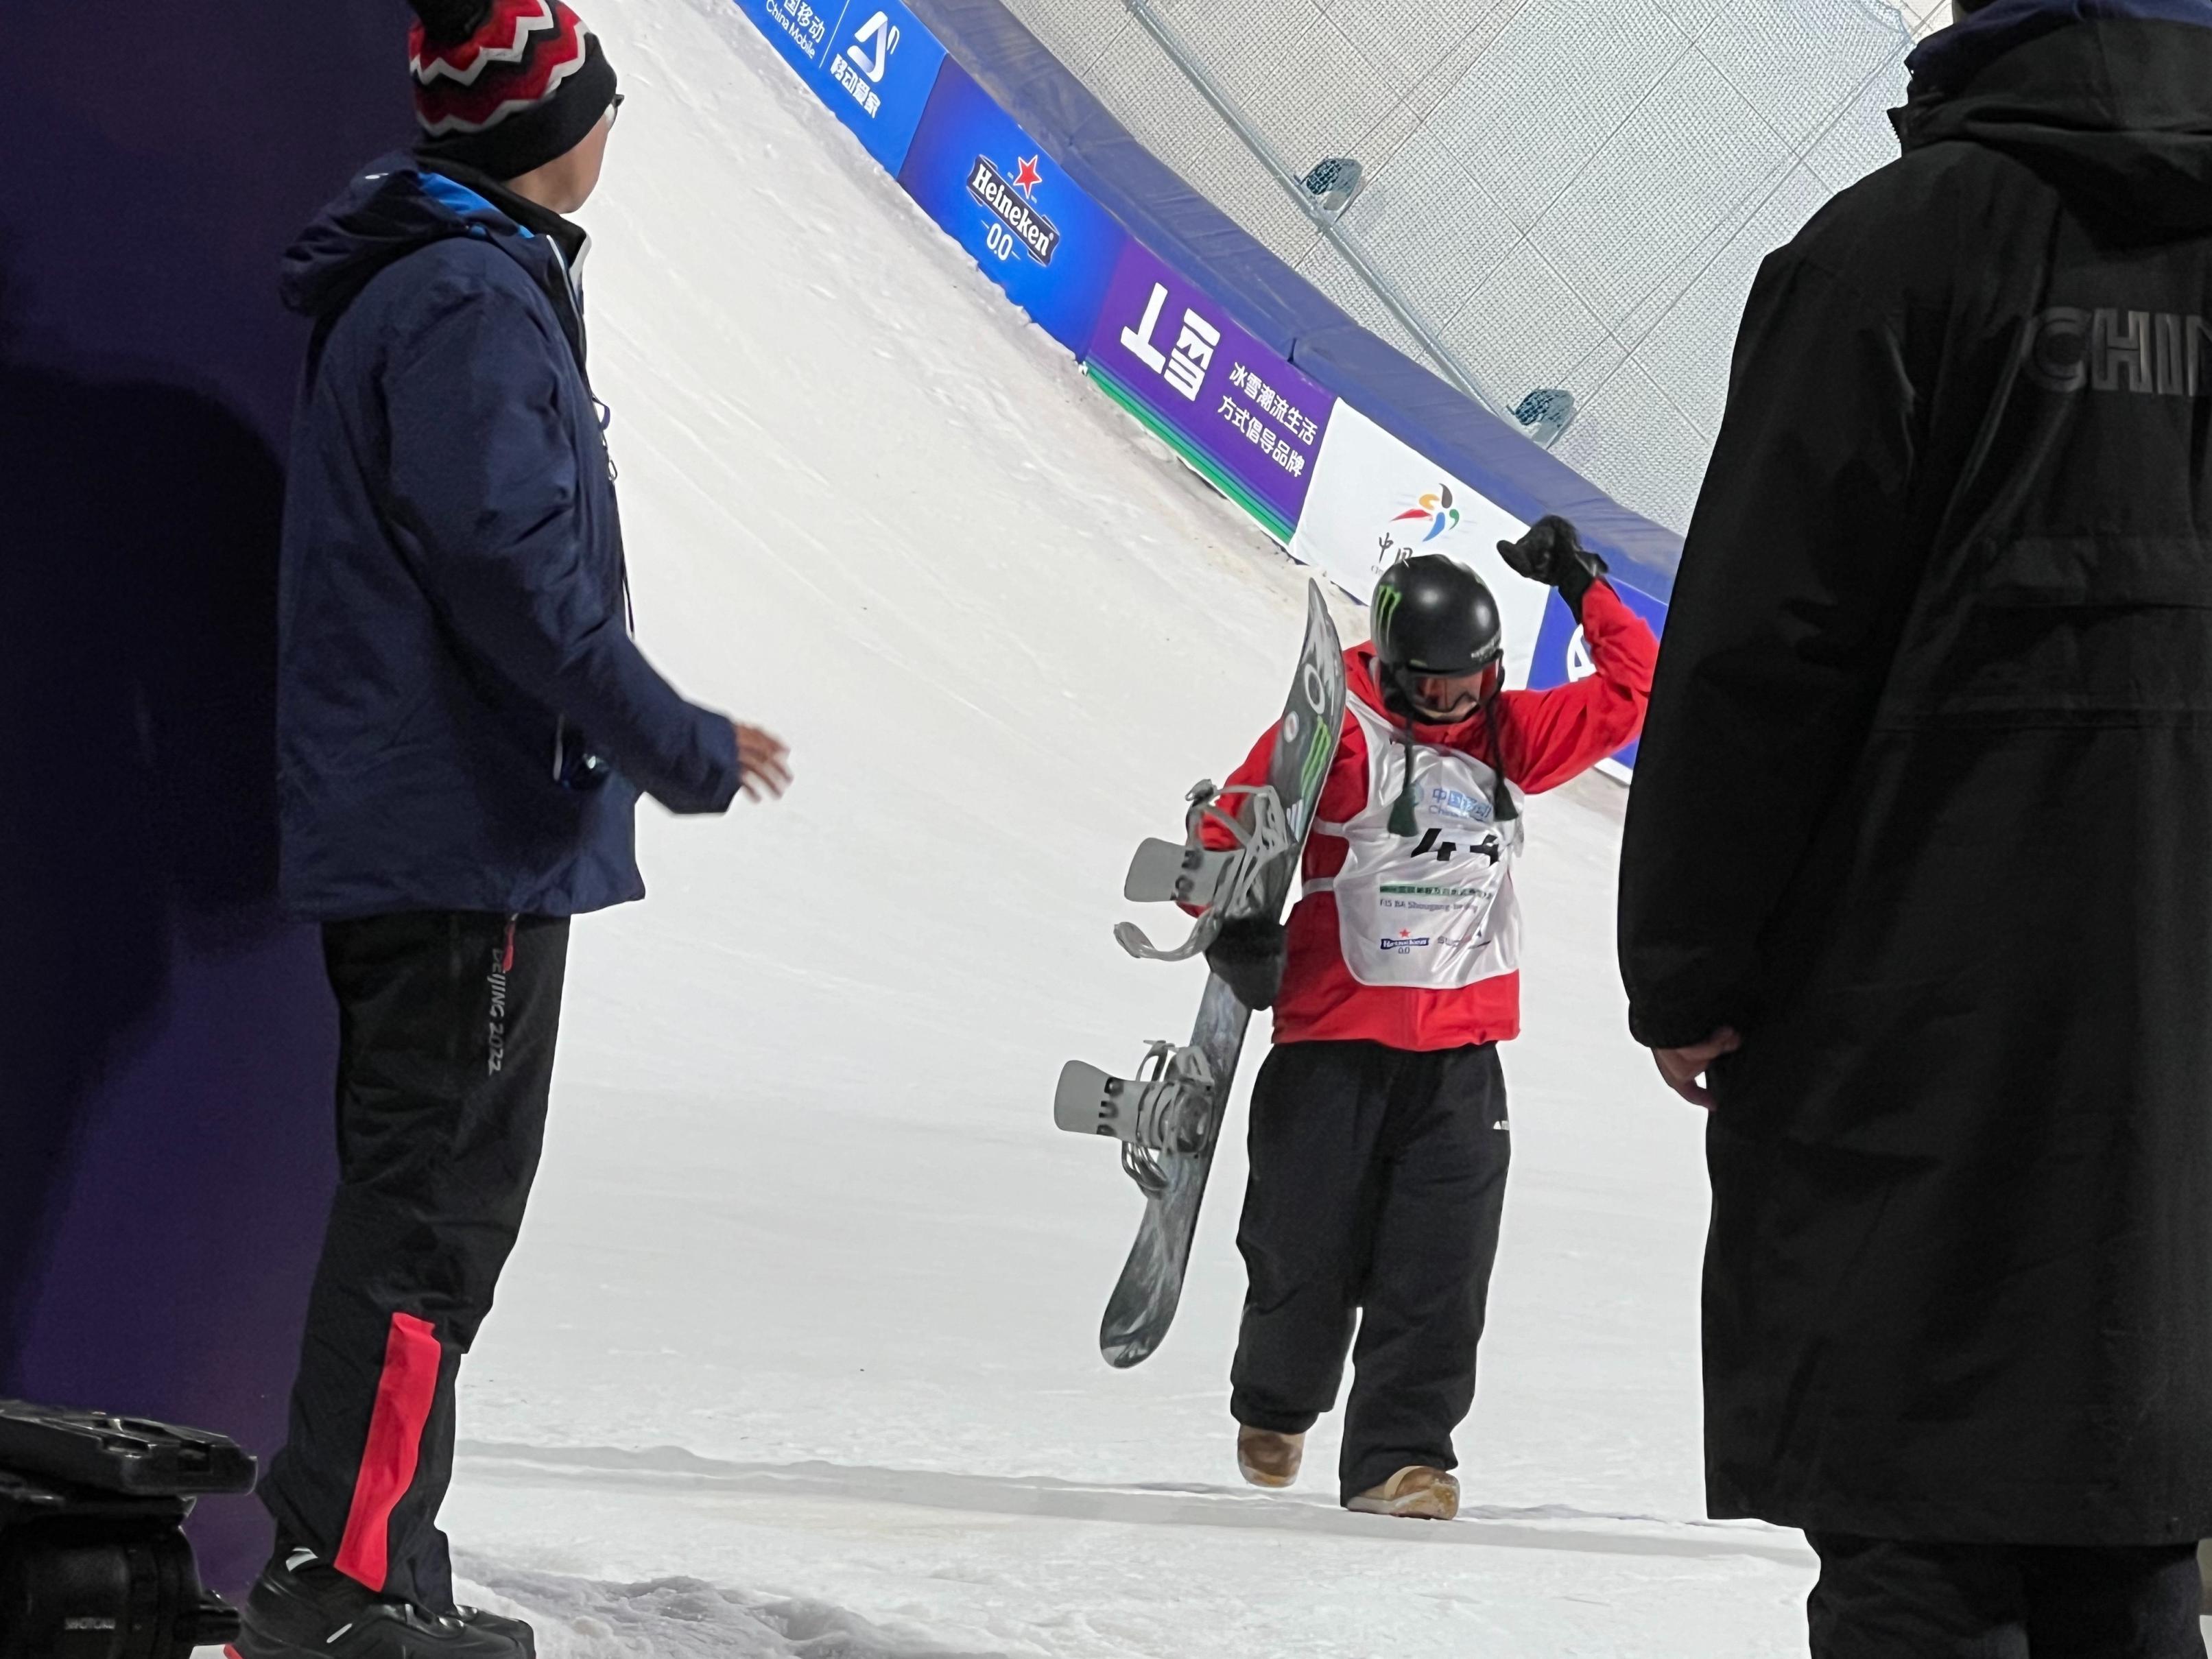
504 86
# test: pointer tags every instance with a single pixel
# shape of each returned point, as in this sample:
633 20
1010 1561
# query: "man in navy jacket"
464 727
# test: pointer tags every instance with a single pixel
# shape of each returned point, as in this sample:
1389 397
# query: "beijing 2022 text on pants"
1378 1186
446 1030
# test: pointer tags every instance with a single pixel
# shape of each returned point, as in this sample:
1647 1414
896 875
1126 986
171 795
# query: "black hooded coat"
1924 810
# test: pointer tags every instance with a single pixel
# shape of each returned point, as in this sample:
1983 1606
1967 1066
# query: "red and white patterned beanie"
504 86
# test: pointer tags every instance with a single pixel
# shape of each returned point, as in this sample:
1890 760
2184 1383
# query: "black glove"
1553 554
1248 953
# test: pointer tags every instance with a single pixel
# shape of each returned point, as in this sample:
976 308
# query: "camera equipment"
93 1561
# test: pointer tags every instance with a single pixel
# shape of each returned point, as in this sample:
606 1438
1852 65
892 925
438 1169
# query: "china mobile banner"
870 61
1248 422
1373 499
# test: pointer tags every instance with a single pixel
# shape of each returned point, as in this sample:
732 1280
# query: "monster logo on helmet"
1434 619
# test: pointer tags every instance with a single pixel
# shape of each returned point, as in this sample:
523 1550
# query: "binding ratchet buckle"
1226 881
1173 1100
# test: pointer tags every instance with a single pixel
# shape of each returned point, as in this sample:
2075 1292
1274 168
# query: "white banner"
1373 498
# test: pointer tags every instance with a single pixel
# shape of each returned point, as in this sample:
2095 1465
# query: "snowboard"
1167 1117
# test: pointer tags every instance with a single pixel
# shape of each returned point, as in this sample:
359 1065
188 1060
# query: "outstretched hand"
764 761
1684 1068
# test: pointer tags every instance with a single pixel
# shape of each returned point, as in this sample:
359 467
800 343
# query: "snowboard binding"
1175 1114
1167 1107
1225 881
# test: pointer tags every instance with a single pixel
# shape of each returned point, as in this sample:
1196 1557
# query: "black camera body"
93 1561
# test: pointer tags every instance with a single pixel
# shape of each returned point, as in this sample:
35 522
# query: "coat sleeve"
1794 578
484 471
1556 735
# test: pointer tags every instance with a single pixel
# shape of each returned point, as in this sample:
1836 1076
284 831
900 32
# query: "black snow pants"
445 1030
1377 1185
1879 1599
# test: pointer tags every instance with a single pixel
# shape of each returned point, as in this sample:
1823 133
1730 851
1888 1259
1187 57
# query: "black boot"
301 1606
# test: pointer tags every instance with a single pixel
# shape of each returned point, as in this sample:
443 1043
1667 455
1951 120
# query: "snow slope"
798 1354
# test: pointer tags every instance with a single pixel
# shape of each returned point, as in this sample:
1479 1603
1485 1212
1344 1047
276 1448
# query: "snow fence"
1344 450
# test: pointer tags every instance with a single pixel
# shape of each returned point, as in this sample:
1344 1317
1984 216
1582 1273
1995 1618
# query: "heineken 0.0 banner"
1033 229
1374 499
1248 420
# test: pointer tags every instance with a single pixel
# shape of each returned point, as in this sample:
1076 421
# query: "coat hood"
2107 101
395 206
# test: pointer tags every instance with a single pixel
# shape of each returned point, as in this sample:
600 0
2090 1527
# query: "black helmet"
1435 616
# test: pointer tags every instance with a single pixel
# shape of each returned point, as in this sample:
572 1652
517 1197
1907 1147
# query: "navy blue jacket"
463 720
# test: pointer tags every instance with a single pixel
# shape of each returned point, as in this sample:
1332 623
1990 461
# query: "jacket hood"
393 207
2107 101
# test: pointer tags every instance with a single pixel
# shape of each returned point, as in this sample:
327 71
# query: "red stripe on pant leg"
405 1393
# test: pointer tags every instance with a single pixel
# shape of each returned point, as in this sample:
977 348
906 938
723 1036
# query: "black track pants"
446 1030
1378 1181
1877 1599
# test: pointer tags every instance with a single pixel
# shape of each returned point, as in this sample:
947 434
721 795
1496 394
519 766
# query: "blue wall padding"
1276 304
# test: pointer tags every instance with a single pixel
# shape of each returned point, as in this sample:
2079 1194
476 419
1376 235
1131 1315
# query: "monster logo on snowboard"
1168 1118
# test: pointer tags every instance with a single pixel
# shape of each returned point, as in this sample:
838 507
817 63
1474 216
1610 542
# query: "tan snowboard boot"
1268 1459
1424 1493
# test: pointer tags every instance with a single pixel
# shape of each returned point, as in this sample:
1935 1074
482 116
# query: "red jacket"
1549 736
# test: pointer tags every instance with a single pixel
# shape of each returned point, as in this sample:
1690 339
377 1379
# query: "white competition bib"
1435 909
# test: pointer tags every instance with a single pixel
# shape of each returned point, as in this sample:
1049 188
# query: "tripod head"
93 1561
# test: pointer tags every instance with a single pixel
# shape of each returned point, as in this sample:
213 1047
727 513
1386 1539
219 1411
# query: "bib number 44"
1488 847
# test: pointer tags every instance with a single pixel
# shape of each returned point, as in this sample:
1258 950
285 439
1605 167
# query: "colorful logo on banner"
1230 405
1563 655
1424 521
1034 230
872 62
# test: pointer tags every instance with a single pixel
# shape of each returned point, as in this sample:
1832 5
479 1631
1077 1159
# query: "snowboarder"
464 727
1379 1137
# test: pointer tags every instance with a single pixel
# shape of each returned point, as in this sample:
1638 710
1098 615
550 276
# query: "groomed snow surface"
798 1354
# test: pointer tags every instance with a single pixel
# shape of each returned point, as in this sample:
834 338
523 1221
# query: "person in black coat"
1917 869
464 727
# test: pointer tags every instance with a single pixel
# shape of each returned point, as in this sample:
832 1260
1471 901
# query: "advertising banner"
870 61
1562 656
1241 415
1374 499
993 188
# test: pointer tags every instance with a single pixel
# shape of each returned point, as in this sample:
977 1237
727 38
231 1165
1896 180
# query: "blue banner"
1563 655
872 62
991 187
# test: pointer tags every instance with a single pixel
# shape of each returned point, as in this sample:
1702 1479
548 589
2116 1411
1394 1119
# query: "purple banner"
1238 412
